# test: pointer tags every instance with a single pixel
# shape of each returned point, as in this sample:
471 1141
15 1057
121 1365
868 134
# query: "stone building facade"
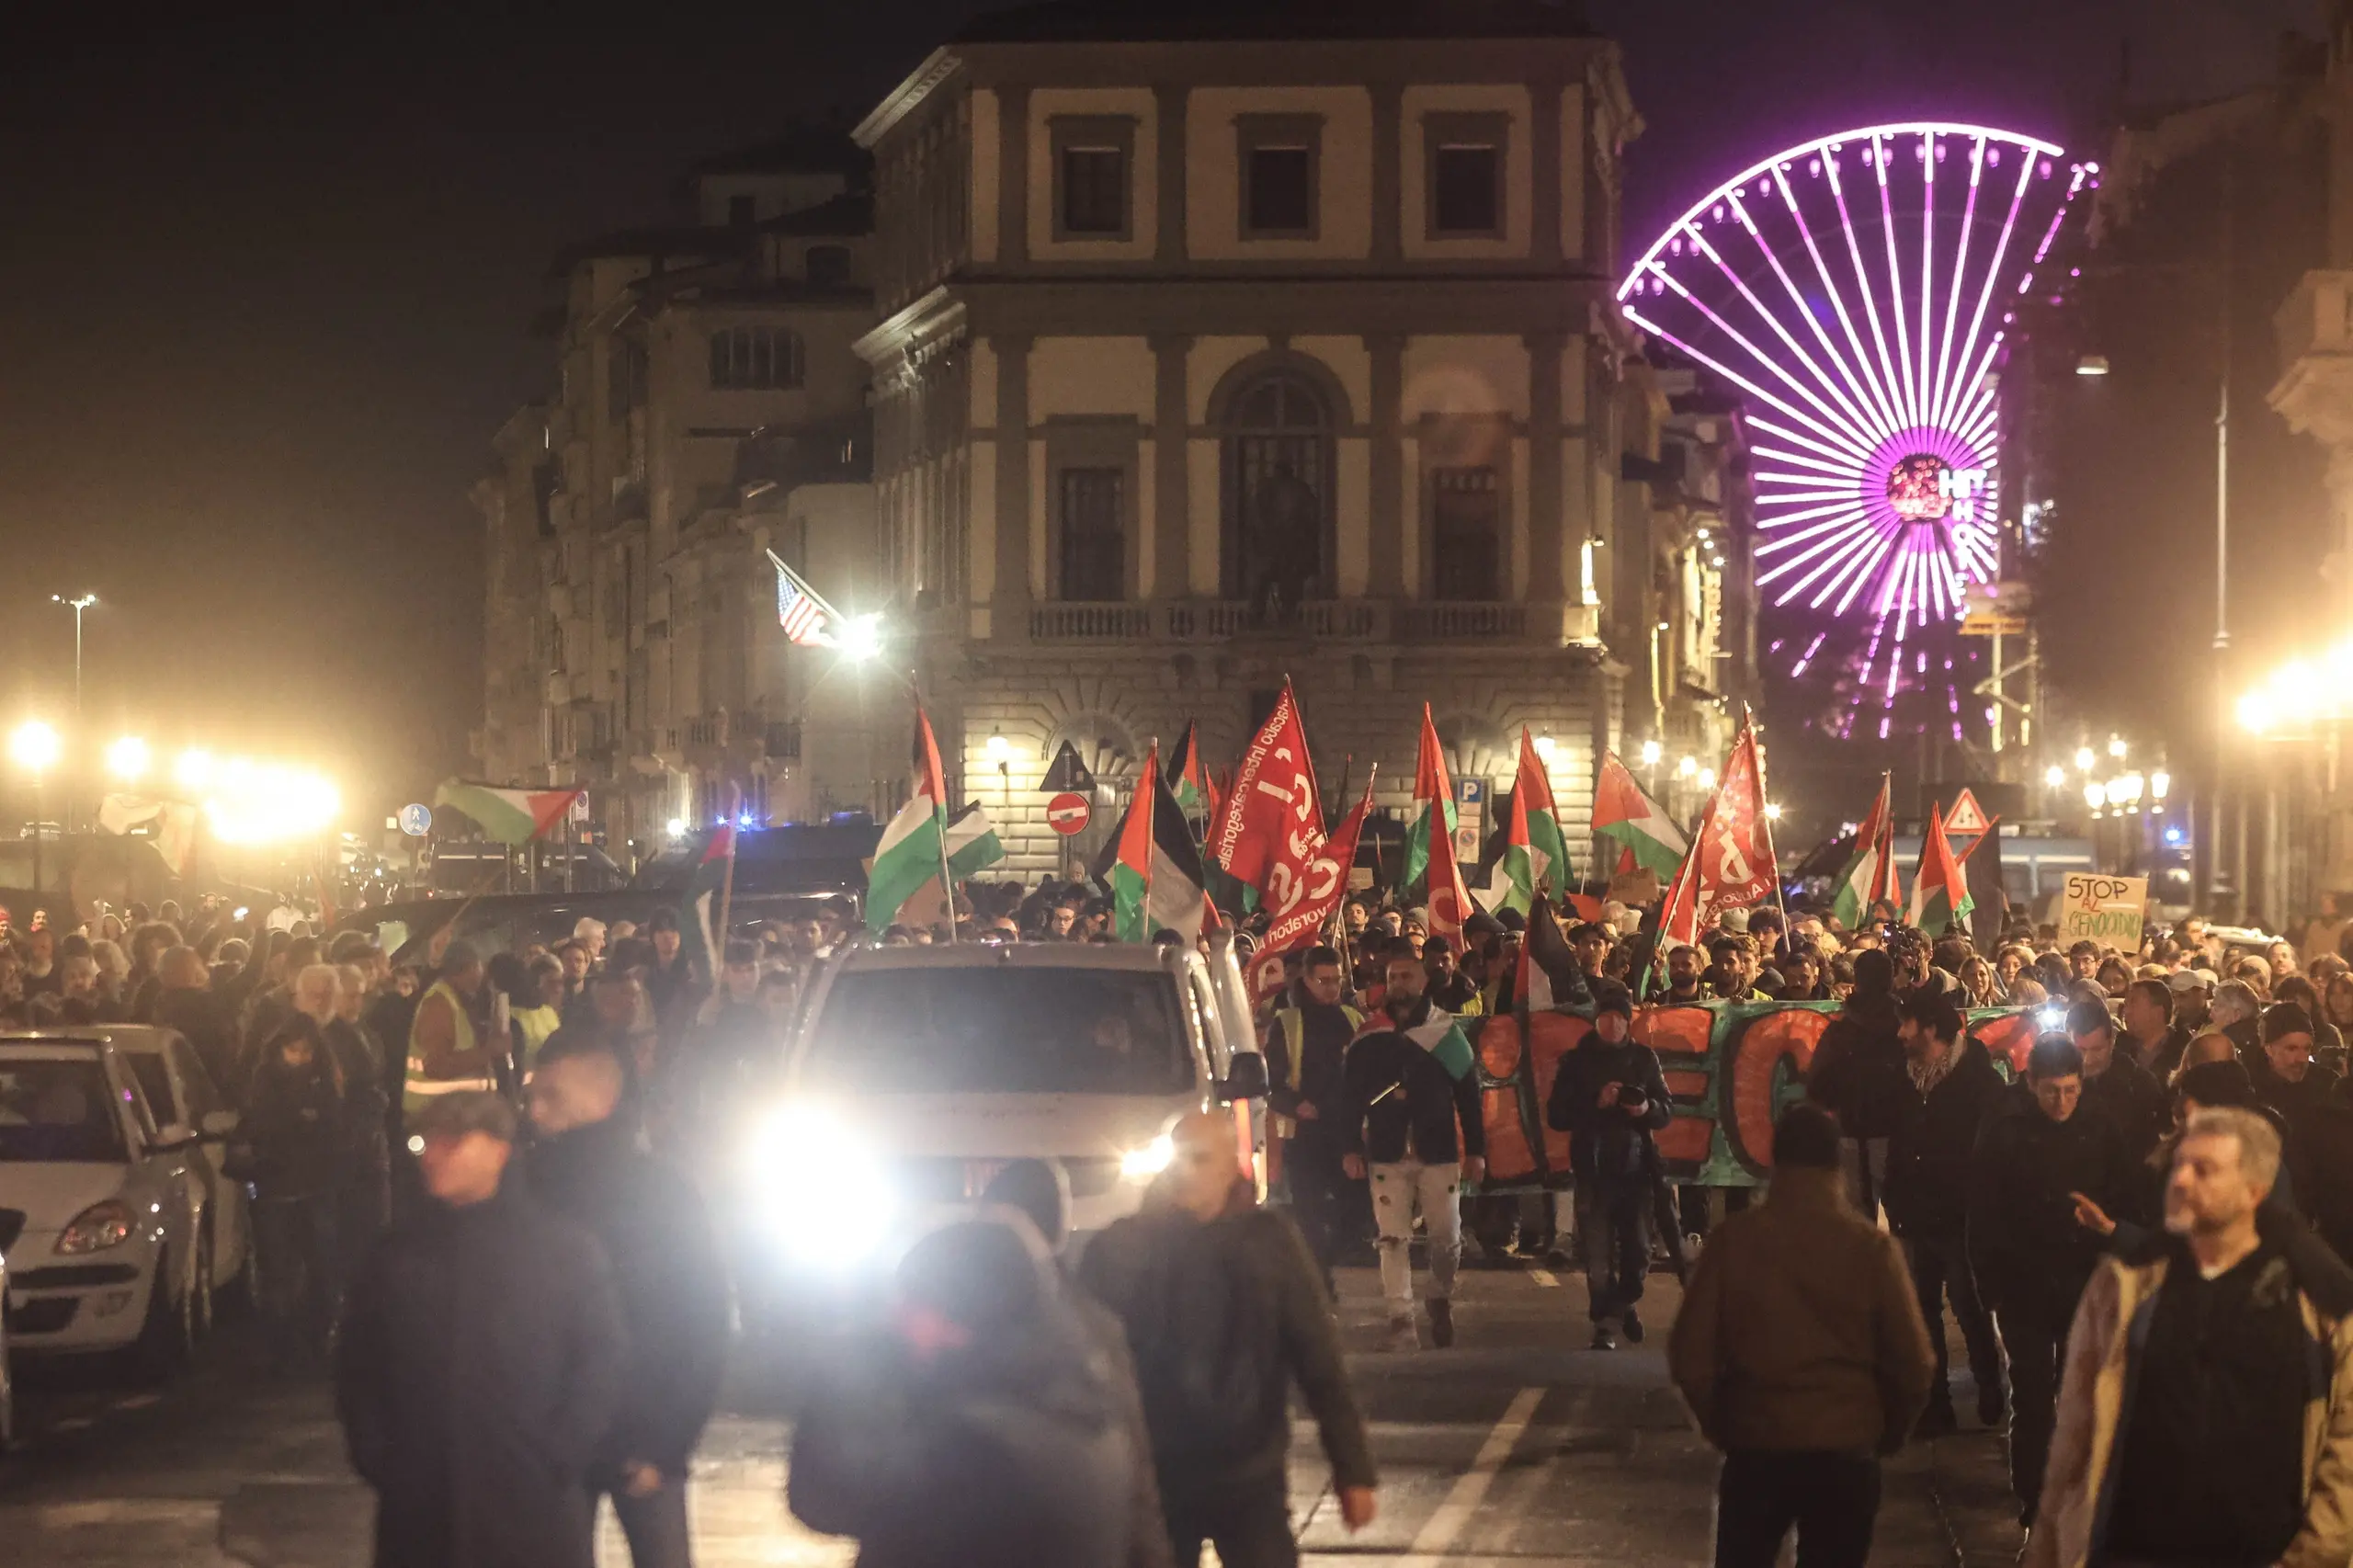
708 406
1221 344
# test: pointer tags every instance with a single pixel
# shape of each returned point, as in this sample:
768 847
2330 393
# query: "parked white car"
181 1093
114 1252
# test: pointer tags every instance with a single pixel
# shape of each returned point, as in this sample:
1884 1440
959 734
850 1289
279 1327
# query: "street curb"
299 1525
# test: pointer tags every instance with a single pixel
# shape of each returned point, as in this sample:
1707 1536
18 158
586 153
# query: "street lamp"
192 770
2055 777
1707 779
127 759
1650 754
860 638
1687 768
35 747
77 603
2083 759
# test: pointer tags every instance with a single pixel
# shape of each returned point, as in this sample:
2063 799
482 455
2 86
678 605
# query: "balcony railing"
1354 620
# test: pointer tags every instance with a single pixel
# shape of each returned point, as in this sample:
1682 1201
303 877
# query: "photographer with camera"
1610 1097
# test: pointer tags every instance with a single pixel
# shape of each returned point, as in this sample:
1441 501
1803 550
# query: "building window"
1279 156
755 359
740 212
1278 461
1092 155
1464 158
1466 534
829 265
625 375
1094 544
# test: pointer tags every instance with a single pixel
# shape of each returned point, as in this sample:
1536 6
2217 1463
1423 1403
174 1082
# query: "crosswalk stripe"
1544 1277
1437 1536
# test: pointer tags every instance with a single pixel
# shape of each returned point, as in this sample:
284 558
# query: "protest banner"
2094 907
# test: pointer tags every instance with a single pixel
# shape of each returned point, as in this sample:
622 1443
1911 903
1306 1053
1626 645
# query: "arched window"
1278 429
755 359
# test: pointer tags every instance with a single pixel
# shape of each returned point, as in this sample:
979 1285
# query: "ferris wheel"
1857 289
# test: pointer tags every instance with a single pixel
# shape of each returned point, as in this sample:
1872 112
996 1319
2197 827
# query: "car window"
52 1111
203 1099
154 1081
141 1110
1008 1030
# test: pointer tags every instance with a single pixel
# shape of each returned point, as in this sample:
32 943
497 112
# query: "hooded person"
982 1425
1858 1076
1610 1097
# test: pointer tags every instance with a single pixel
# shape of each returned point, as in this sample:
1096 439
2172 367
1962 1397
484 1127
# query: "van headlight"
1143 1164
820 1188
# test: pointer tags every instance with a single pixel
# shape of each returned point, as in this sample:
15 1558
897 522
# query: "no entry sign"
1066 813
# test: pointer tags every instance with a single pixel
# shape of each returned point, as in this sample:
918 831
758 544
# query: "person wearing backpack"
1224 1310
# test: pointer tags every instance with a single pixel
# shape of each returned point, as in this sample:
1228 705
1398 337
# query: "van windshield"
1004 1032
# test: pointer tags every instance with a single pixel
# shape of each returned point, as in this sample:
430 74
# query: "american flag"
798 609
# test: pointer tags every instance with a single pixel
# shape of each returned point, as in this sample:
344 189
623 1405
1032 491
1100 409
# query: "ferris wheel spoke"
1830 424
1872 420
1833 443
1966 386
1890 381
1927 264
1849 408
1959 273
1878 388
1879 158
1838 470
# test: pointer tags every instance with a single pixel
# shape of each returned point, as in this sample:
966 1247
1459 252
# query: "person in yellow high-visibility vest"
1305 1045
445 1053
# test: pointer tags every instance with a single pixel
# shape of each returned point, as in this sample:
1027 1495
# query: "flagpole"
726 885
947 882
1781 900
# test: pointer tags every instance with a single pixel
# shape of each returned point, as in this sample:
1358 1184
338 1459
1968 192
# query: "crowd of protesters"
2137 1235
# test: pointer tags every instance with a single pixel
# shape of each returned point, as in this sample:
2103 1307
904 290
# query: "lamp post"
77 603
35 747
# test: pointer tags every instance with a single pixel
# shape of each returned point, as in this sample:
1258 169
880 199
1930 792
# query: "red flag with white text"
1270 828
1730 864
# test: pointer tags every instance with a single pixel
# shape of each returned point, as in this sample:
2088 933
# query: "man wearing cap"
481 1361
2193 990
446 1054
1610 1098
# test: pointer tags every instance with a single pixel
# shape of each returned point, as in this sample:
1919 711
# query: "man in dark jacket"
1858 1076
187 1003
1225 1312
1954 1090
1411 1087
1610 1098
482 1361
2030 1249
2116 1086
1803 1356
2286 1076
1307 1048
590 1167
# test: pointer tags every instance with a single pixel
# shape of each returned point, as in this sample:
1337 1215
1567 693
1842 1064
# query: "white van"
915 1075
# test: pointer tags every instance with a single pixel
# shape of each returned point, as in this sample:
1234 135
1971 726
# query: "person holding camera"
1610 1098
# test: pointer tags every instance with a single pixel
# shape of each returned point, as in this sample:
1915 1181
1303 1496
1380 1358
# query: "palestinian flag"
1156 882
1940 899
507 816
1443 1038
700 938
1535 857
1450 901
1621 811
1870 875
909 855
972 844
1433 804
1188 780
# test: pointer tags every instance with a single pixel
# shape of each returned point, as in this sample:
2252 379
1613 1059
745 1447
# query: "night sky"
264 286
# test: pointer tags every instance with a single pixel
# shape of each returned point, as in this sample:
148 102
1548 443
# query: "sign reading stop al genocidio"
2103 909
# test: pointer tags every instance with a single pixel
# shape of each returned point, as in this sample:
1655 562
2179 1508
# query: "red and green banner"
1730 1069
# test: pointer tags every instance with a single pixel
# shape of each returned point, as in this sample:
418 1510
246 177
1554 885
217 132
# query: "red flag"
1271 827
1327 884
1730 864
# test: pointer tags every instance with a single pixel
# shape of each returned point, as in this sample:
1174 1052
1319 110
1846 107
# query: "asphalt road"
1518 1447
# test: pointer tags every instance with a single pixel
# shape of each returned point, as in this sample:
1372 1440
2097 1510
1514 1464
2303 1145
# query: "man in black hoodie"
2030 1245
1610 1098
1858 1076
591 1167
1952 1090
2115 1084
1307 1048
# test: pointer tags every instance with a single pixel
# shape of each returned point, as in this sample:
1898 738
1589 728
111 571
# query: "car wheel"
165 1336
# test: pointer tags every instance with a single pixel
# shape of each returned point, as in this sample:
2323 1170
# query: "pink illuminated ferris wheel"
1857 289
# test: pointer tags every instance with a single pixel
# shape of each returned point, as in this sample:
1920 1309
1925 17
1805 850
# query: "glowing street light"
1707 779
129 759
1772 810
2055 777
2160 785
35 747
2095 795
2083 759
1650 754
77 603
2115 748
1687 768
861 637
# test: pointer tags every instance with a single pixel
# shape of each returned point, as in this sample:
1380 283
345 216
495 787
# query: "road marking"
138 1401
72 1423
1435 1538
1544 1277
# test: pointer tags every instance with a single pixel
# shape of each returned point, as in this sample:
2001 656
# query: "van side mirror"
1245 1078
